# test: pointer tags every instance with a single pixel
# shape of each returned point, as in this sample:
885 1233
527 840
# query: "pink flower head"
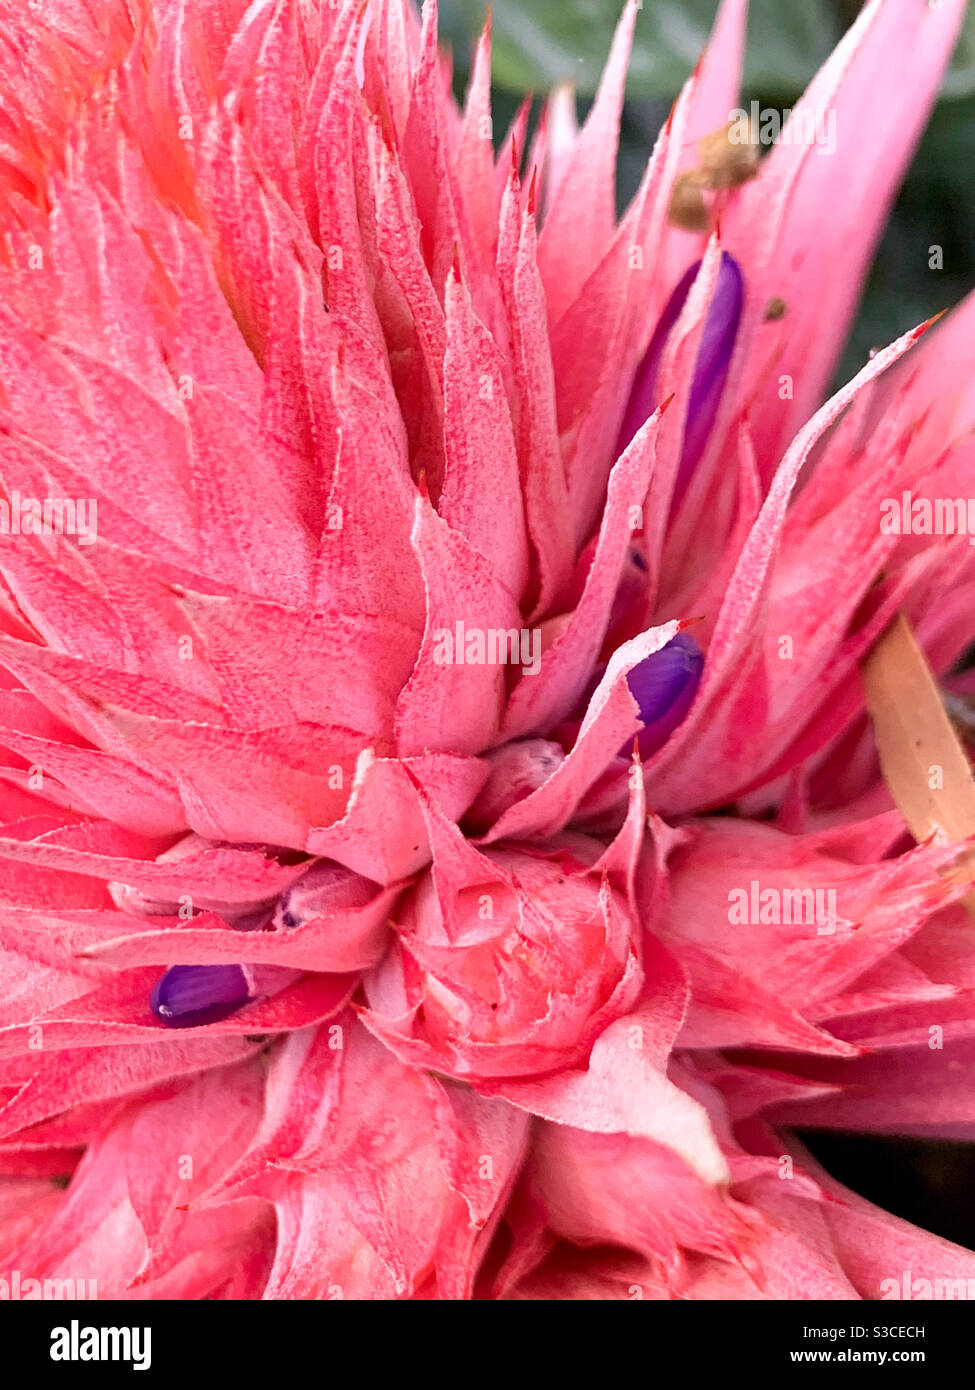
512 966
432 617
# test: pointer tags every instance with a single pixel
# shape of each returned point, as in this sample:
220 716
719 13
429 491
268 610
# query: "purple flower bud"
710 369
664 686
187 996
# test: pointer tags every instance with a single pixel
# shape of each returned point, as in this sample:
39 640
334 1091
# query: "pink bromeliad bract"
429 604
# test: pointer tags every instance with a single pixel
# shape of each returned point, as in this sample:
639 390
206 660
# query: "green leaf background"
538 43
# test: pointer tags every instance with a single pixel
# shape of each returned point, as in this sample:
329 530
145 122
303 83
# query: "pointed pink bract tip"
928 323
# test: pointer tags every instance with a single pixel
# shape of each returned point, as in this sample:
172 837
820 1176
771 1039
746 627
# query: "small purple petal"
643 397
664 686
710 369
187 996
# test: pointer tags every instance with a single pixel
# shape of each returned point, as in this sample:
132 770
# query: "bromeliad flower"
443 836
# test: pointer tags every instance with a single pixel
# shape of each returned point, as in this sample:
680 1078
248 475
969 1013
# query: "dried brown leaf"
916 741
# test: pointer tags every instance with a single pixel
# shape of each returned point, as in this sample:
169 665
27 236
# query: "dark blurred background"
539 43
